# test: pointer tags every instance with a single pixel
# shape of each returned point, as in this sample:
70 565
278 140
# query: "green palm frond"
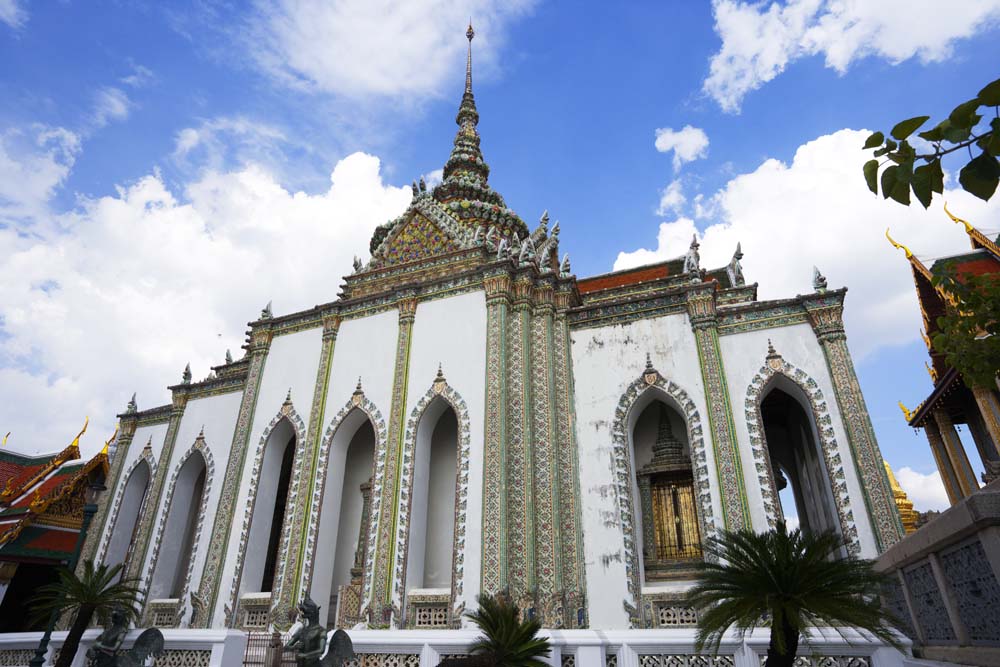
510 641
96 588
785 579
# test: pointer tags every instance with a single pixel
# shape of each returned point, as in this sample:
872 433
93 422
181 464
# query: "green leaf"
905 128
895 184
921 184
871 175
936 176
937 132
874 140
980 176
990 143
956 134
964 115
990 94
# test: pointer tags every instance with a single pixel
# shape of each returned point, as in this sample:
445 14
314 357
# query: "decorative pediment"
415 237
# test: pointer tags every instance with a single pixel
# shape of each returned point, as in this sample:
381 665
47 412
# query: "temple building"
953 401
41 513
469 416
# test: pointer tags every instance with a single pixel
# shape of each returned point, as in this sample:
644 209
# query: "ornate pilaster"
956 453
826 316
291 584
989 408
145 531
208 590
701 311
568 467
548 543
494 570
520 478
380 609
943 462
126 431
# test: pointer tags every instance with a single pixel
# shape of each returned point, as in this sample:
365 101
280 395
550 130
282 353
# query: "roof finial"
819 280
470 33
898 246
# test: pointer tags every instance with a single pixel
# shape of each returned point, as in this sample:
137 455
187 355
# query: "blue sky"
166 170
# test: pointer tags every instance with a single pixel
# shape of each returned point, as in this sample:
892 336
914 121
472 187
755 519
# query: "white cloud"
119 294
241 139
365 48
927 492
688 143
13 13
140 76
110 104
672 199
818 211
760 39
33 162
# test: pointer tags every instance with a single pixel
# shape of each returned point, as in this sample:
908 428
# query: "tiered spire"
466 161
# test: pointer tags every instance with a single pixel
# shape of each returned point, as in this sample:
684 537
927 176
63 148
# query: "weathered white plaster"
136 486
452 332
743 355
605 361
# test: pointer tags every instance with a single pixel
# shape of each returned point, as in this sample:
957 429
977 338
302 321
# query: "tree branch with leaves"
964 130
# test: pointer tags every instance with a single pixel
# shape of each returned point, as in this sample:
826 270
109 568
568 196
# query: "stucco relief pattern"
977 593
205 452
547 542
701 310
224 512
774 365
294 538
104 508
439 389
651 380
285 413
494 557
928 606
520 486
149 461
358 401
826 313
156 490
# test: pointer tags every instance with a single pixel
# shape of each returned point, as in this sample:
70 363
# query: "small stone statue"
357 264
186 376
692 260
107 652
819 281
735 268
309 641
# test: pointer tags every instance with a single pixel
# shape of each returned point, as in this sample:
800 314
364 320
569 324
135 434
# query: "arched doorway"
669 535
432 507
343 522
177 545
130 507
264 541
799 471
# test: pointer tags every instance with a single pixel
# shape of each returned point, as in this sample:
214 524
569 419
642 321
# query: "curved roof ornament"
898 246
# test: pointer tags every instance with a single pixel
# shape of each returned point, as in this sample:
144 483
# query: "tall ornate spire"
466 161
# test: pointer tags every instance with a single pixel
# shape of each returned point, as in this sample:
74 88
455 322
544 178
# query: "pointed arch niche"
129 505
342 511
179 530
649 407
433 498
795 449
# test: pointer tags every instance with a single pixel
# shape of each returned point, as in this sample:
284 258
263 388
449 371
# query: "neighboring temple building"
952 401
41 511
469 416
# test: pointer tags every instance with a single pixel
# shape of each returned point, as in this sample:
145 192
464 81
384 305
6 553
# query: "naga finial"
186 376
898 246
229 357
819 280
954 218
906 412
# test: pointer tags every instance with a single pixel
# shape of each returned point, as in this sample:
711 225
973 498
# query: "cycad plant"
789 580
97 592
508 640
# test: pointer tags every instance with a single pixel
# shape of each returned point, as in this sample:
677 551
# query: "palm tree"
791 580
508 640
98 592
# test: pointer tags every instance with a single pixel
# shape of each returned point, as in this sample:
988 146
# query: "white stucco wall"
605 361
743 355
452 332
290 365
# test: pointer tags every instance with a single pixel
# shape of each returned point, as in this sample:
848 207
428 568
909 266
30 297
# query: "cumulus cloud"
365 48
229 139
120 293
760 39
33 162
818 211
687 144
925 491
13 13
672 199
